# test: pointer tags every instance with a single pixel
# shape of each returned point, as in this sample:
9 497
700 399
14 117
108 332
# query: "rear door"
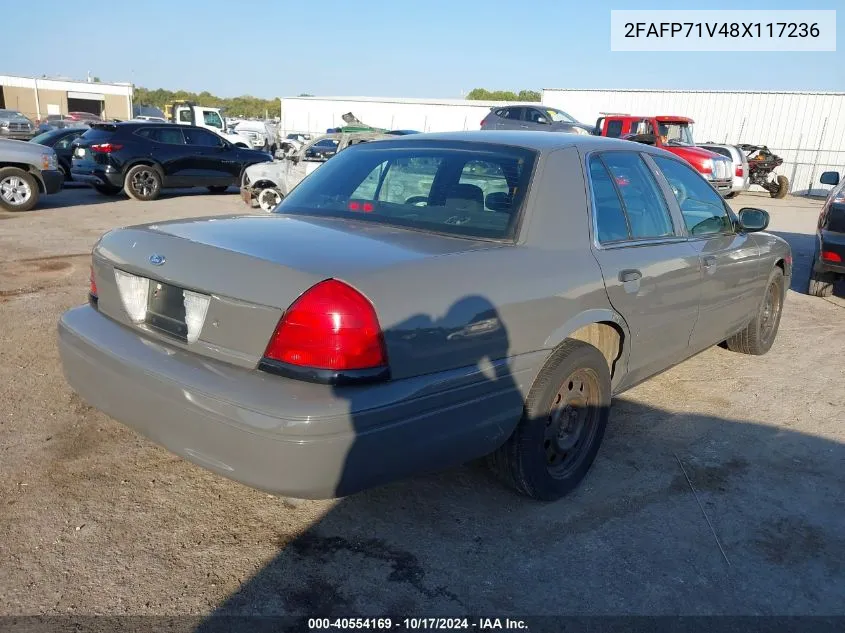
651 273
166 146
511 118
733 276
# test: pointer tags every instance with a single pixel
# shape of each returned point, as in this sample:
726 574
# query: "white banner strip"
762 31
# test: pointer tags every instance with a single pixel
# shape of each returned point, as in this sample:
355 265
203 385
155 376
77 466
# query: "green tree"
245 106
482 94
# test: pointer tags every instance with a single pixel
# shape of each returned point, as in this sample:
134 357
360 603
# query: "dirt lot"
95 519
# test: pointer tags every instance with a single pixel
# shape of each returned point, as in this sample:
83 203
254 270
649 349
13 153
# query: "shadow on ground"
631 540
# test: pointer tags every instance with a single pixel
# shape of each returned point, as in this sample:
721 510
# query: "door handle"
709 261
629 275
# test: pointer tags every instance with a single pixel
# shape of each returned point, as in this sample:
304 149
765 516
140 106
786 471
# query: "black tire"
783 188
218 189
18 189
757 338
546 457
732 194
820 284
65 169
107 190
142 183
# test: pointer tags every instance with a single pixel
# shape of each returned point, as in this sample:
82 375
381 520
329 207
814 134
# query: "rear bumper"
822 266
95 176
285 436
53 180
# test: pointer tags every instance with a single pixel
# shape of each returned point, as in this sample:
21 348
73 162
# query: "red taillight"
739 171
331 326
105 148
92 287
830 256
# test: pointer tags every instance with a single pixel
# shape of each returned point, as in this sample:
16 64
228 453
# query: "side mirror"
542 120
830 178
752 220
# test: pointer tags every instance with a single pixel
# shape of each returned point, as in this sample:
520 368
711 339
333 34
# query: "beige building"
37 98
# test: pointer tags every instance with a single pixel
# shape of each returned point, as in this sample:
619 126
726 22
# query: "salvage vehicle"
265 185
188 113
361 334
532 117
674 134
259 134
761 165
739 162
27 170
142 158
14 125
829 256
61 141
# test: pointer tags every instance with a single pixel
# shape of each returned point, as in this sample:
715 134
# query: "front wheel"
18 189
269 199
142 183
562 426
757 338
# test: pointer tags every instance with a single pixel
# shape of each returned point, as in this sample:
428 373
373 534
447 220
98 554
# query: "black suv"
143 158
829 257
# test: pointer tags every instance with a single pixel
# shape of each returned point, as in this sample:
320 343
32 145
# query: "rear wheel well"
606 337
264 184
148 163
780 264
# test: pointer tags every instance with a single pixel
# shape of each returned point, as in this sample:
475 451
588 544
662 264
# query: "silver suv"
739 166
27 170
16 126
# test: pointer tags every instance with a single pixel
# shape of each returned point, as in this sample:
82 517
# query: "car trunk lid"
242 272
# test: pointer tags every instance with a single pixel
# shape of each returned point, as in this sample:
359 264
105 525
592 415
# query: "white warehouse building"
806 129
318 114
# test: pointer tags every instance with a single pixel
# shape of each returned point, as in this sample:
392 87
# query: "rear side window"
464 189
646 209
614 129
611 225
170 135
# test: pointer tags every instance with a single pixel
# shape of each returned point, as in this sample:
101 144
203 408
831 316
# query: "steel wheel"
15 191
144 183
571 423
769 313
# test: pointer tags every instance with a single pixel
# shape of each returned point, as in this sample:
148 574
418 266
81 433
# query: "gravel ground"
96 520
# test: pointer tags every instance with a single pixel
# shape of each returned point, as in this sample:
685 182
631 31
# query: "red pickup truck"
674 134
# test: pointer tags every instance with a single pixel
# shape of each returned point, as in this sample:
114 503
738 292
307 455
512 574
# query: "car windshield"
559 116
11 114
676 133
463 189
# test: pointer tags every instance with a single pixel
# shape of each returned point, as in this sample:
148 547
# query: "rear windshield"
98 133
459 188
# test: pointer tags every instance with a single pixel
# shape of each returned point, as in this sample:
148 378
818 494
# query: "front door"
211 157
732 274
650 271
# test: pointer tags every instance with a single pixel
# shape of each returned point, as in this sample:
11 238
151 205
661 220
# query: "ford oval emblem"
156 259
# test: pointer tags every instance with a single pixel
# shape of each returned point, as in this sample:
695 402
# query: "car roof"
537 141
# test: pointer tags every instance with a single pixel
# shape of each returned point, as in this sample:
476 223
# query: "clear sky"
410 48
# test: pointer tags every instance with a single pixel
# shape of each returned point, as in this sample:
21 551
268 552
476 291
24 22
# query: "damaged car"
265 185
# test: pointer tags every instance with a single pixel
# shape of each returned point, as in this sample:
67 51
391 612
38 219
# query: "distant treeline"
482 94
245 106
